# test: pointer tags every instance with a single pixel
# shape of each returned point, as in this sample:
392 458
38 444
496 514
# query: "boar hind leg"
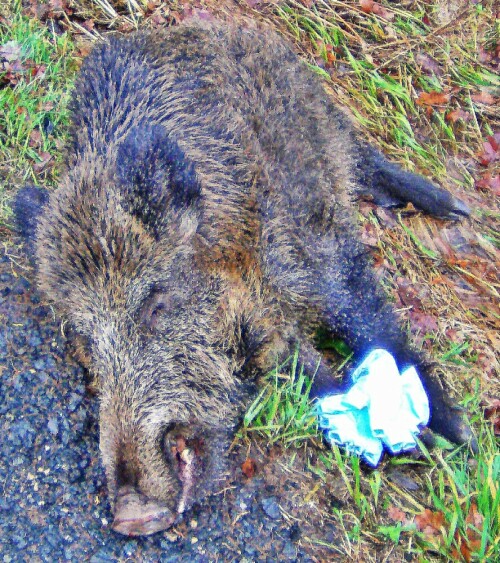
391 186
355 308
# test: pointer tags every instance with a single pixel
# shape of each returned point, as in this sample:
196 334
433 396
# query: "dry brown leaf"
432 99
492 413
424 323
372 7
491 150
430 523
38 71
489 182
88 25
396 514
45 159
430 65
369 235
409 294
249 468
254 3
53 9
472 543
483 98
35 138
456 114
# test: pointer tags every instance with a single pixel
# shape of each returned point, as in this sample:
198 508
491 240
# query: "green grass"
381 89
453 483
33 114
283 411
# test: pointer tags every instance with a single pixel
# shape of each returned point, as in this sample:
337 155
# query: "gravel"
53 502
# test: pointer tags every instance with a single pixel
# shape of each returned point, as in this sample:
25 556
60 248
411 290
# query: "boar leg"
315 365
356 309
391 186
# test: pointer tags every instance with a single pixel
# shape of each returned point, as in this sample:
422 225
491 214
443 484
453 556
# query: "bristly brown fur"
204 226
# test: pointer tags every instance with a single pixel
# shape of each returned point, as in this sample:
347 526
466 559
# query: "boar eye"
157 305
157 310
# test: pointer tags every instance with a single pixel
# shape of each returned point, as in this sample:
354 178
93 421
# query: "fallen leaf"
40 166
489 182
472 541
35 138
372 7
426 324
456 114
369 235
485 56
432 99
38 71
492 413
475 518
158 19
409 295
53 9
483 98
469 298
430 523
430 65
274 452
190 12
396 514
249 468
366 6
126 27
254 3
491 150
88 25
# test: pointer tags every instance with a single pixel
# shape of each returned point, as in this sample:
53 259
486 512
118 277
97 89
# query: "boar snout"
137 515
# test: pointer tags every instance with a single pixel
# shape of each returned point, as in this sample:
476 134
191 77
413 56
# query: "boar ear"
154 172
28 206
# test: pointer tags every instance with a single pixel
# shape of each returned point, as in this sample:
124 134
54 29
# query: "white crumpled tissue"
382 408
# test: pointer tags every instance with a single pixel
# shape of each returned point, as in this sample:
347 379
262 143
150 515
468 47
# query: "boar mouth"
138 515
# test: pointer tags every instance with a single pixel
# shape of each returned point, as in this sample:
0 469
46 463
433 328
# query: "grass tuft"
283 410
33 103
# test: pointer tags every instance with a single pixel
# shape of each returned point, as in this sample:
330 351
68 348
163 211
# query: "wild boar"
204 225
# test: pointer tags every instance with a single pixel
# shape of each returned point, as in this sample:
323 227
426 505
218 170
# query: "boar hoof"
454 426
137 515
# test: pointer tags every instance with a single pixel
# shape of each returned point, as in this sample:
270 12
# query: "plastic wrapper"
383 408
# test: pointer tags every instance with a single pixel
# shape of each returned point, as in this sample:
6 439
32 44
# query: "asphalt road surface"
53 502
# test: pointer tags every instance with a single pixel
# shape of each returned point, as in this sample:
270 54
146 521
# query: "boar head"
118 255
